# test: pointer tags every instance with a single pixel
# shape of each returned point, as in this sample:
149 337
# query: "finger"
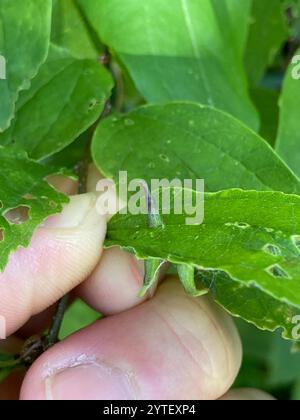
61 255
115 284
171 347
247 394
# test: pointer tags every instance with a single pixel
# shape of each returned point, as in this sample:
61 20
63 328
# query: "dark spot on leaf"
277 271
1 235
18 215
164 158
92 104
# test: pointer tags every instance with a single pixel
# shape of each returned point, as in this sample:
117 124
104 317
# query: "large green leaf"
266 101
268 362
24 40
288 139
66 97
186 140
28 198
236 14
268 30
251 237
181 52
70 30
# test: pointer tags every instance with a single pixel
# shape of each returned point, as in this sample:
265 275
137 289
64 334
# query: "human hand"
169 347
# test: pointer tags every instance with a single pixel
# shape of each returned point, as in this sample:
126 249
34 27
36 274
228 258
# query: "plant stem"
54 330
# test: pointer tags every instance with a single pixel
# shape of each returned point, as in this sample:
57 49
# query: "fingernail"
73 214
92 381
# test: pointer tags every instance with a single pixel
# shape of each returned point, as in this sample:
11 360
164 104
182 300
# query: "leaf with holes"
186 140
26 200
182 51
67 97
24 40
252 238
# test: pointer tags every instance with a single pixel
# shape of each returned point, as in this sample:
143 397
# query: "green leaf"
70 30
79 315
268 31
249 303
296 391
281 365
72 155
152 271
26 200
180 52
251 237
187 276
186 140
289 129
24 41
67 96
236 14
266 101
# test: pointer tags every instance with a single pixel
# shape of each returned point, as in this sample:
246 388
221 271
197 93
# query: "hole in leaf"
92 104
277 272
18 215
296 241
164 158
240 225
272 250
269 230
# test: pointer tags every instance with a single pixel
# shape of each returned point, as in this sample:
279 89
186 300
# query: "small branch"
54 330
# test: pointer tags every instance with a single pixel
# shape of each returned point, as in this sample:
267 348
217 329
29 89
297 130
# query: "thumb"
63 252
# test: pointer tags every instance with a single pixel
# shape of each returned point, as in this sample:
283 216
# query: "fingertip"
63 252
171 347
115 284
